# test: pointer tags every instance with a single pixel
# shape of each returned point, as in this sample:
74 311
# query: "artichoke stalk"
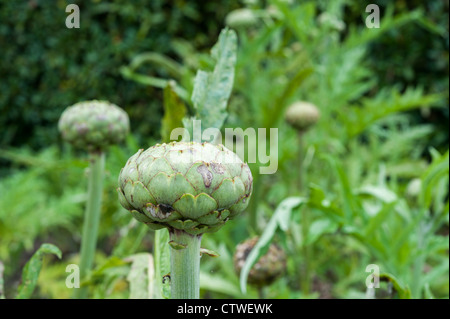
302 116
189 188
92 126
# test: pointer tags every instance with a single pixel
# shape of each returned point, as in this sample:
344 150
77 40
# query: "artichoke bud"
94 125
194 187
241 18
267 269
302 115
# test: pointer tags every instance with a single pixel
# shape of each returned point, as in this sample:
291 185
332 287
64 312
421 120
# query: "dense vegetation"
374 168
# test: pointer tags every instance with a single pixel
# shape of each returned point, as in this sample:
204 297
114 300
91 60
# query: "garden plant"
157 200
93 126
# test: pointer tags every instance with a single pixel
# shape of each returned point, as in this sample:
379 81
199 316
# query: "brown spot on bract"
218 168
206 175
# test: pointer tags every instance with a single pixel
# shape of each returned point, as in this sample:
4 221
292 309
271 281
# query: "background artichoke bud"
268 268
194 187
241 18
302 115
93 125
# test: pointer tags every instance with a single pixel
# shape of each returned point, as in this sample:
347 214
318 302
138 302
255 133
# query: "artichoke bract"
268 268
187 186
94 125
302 115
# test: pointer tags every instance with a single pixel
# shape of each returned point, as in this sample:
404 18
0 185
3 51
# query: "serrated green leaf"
32 269
162 263
141 276
212 89
174 112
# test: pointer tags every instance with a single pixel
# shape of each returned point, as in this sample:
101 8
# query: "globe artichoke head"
194 187
302 115
93 125
267 269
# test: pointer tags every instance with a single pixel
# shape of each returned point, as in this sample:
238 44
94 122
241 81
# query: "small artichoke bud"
302 115
93 125
241 18
193 187
268 268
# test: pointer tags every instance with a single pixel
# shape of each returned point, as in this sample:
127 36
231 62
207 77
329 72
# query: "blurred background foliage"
46 66
383 98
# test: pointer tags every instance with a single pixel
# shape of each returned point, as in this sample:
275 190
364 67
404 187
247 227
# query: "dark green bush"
413 55
45 66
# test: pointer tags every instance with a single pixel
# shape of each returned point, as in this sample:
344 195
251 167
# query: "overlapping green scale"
195 187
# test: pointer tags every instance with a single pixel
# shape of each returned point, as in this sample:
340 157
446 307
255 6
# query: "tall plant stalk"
305 222
185 265
91 217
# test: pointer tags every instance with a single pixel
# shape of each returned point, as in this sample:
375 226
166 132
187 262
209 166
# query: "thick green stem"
253 205
185 265
91 217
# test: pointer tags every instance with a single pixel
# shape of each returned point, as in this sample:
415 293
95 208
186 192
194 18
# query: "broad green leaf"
212 89
280 219
141 276
162 263
32 269
174 112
